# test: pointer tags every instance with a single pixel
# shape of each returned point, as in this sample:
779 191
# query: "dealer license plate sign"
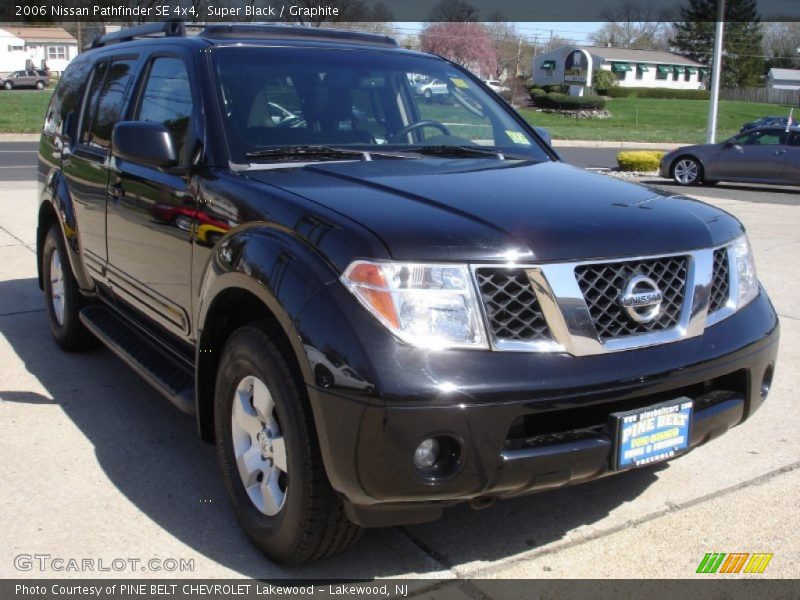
651 434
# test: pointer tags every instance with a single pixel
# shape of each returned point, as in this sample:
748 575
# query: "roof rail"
287 32
172 28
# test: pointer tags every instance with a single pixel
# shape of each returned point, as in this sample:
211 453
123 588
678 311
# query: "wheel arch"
249 279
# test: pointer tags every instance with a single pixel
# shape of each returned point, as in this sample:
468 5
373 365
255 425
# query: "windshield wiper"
295 153
456 151
301 152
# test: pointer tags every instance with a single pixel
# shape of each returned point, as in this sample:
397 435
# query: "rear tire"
277 486
63 299
40 85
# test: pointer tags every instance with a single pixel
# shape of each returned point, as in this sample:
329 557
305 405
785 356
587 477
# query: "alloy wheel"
686 171
259 446
57 286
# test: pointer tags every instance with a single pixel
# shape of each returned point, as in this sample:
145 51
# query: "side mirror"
544 134
145 143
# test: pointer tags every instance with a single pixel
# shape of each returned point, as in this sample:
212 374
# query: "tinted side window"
167 99
794 140
110 102
98 75
67 96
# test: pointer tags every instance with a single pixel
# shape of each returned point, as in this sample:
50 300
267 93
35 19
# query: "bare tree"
782 44
454 11
634 24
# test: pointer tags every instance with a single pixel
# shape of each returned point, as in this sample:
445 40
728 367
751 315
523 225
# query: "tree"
467 44
743 60
514 52
781 45
602 80
633 24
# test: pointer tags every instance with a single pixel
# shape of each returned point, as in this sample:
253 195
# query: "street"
97 464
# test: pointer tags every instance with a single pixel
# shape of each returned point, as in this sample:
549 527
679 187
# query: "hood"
484 209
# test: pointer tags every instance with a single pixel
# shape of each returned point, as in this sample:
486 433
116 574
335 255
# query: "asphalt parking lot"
97 465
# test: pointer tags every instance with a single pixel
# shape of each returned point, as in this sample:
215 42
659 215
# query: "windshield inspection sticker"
518 137
459 82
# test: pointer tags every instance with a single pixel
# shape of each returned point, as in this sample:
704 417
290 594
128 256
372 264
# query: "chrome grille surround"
720 285
570 321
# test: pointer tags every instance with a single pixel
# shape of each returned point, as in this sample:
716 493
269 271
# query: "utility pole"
716 72
519 55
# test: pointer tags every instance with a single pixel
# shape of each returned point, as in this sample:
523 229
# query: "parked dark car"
763 155
768 122
25 79
403 311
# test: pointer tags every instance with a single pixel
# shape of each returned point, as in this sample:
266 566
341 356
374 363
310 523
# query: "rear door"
151 212
85 163
759 154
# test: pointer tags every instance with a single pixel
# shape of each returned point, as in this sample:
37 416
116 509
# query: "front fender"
55 195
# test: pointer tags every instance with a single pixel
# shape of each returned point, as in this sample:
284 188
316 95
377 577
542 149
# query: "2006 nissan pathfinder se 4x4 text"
378 304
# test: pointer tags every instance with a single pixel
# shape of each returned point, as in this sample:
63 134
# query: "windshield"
371 101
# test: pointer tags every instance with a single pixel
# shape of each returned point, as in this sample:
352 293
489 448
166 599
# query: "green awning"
642 68
549 65
703 71
691 70
677 70
663 69
620 67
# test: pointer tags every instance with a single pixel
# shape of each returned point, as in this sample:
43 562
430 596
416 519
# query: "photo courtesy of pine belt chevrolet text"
377 288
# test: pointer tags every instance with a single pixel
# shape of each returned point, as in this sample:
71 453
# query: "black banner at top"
313 12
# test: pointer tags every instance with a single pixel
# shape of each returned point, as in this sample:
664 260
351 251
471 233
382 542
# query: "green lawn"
657 120
22 111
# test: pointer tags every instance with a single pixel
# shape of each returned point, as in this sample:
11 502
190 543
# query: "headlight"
432 306
745 270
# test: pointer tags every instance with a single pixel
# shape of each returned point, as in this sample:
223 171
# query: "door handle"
779 152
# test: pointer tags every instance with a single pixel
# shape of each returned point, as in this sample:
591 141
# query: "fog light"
426 454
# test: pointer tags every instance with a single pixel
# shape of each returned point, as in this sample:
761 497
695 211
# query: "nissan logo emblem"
641 299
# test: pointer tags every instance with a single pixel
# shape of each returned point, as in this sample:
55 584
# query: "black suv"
376 306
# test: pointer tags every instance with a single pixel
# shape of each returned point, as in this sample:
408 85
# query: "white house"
783 79
575 65
36 47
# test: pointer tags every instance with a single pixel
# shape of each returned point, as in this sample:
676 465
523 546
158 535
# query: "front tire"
8 85
269 455
40 85
62 297
687 170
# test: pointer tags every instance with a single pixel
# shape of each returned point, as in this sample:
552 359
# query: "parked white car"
496 86
432 88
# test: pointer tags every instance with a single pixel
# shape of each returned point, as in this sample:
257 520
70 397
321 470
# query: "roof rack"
287 32
172 28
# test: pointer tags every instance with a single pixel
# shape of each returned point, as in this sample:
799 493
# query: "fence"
764 95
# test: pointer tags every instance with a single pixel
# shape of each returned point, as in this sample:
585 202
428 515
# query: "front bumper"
528 422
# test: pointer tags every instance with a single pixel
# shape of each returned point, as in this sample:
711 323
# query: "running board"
143 355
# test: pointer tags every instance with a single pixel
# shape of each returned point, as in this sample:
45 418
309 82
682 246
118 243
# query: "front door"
151 211
759 154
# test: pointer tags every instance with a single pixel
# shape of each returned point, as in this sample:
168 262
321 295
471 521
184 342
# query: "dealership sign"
576 67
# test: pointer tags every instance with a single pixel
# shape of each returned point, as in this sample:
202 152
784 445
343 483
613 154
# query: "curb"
19 137
621 145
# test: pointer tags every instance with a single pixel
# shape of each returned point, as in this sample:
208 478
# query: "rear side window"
67 97
106 101
167 99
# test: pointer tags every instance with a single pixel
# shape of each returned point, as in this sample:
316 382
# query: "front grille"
603 283
511 306
720 284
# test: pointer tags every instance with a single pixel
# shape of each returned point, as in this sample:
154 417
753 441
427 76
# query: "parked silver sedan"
763 155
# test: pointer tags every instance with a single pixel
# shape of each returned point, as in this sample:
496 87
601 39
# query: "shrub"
559 88
567 102
660 93
603 81
536 91
639 160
